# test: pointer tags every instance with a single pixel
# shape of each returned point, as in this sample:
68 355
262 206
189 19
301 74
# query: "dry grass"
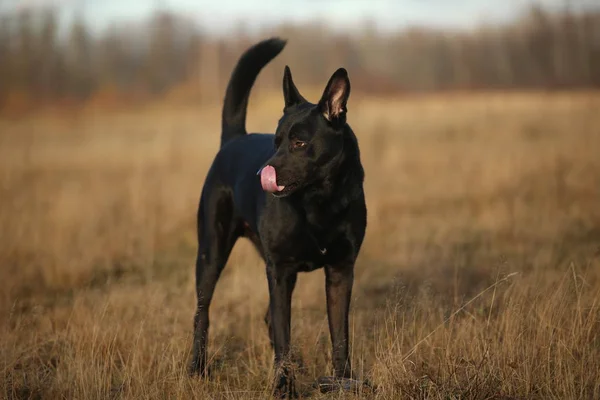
97 248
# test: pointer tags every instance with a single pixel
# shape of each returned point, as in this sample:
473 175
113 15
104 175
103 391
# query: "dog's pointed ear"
333 102
291 95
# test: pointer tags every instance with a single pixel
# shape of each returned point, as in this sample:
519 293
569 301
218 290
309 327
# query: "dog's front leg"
281 286
338 286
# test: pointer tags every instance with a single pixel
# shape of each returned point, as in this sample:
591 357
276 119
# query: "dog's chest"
309 251
308 239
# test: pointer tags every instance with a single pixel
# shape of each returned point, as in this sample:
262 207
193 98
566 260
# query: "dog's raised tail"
240 84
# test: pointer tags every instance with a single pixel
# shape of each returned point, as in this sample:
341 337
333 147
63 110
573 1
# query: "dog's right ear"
291 95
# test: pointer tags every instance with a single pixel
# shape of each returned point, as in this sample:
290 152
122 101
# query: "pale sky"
221 15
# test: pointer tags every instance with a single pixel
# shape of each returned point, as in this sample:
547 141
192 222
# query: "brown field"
479 277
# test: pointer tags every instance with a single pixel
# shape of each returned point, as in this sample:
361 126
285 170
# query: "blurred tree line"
42 61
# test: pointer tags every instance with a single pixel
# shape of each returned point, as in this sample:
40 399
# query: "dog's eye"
298 144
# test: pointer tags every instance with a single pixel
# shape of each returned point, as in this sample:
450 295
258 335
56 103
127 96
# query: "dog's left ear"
333 102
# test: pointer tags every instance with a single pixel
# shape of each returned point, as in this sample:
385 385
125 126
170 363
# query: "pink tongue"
268 180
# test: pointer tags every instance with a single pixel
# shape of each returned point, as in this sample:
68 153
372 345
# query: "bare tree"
78 60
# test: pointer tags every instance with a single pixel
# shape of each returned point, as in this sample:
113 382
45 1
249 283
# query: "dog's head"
309 138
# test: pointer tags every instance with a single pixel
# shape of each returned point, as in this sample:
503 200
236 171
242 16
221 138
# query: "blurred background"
479 131
72 51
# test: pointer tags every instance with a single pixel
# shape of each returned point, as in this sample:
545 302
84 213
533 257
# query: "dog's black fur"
318 220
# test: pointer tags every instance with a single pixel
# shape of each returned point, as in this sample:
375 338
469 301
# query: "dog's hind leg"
217 233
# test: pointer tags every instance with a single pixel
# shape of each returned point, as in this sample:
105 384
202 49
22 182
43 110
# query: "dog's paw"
328 384
285 388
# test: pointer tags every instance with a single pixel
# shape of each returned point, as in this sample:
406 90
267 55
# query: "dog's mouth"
287 190
268 181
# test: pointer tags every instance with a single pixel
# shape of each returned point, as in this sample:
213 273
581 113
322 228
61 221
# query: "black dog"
303 209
